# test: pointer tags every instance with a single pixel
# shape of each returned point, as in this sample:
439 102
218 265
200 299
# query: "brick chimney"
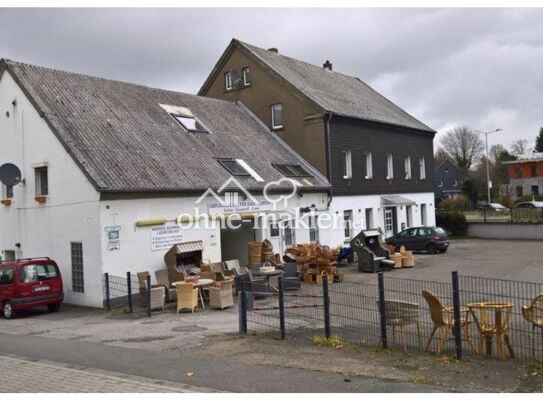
273 50
327 65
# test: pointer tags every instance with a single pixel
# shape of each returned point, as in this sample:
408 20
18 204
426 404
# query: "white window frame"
369 166
6 194
276 126
313 224
390 166
228 80
422 168
407 165
347 161
244 73
38 181
348 226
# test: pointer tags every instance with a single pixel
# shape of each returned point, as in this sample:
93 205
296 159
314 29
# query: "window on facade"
369 218
455 183
274 230
518 172
228 80
409 215
535 190
246 76
42 182
369 166
78 284
422 168
313 229
348 223
288 234
234 167
390 166
533 168
292 170
347 165
191 124
277 116
407 165
440 183
519 191
423 214
7 191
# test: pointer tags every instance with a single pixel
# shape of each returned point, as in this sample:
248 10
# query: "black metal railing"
124 292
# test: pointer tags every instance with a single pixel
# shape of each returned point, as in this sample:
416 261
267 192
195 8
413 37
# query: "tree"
440 156
519 147
539 141
463 145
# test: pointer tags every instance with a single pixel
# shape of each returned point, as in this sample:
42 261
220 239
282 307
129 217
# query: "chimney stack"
273 50
327 65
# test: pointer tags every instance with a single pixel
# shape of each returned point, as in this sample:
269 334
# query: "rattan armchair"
162 279
534 315
187 296
158 292
443 319
220 295
399 314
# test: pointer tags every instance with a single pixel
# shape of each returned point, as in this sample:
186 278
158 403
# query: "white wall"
71 210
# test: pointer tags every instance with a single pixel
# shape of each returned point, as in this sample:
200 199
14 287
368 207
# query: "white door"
389 222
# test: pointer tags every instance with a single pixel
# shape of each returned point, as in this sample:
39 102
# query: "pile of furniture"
315 261
404 258
262 252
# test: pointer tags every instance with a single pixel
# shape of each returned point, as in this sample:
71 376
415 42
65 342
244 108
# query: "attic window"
239 168
292 170
190 123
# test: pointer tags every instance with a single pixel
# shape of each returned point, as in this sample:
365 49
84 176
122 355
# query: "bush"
454 204
506 201
453 222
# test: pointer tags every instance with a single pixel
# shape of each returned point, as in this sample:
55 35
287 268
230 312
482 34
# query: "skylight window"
190 123
234 168
289 170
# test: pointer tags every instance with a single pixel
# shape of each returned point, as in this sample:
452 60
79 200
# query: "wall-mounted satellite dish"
10 174
236 78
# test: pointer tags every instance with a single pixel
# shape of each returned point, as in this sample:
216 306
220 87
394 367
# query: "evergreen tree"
539 141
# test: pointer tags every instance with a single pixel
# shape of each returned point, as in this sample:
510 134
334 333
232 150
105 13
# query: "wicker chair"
220 295
157 296
534 315
400 314
187 296
291 277
228 266
162 279
443 319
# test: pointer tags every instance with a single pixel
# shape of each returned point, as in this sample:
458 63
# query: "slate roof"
333 92
125 142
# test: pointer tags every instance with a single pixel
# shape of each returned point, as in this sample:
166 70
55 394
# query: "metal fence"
514 215
392 313
124 292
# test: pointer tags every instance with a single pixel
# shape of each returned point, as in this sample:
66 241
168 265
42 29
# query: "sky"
478 67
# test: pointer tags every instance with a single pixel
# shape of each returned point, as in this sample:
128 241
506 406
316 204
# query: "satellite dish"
236 78
10 174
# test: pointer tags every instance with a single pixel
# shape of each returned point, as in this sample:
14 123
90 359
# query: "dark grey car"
422 238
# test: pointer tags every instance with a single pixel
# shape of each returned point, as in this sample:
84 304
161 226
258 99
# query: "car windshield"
38 272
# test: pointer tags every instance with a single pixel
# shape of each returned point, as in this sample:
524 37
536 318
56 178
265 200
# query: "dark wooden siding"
361 136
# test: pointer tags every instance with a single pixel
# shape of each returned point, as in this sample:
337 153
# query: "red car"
27 283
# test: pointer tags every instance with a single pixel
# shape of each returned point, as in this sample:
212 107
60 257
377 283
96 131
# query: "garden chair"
162 279
158 295
220 295
291 277
534 315
399 314
229 265
187 296
443 319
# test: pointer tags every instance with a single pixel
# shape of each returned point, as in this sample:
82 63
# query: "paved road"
208 373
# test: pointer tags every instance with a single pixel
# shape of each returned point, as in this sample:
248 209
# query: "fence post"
282 307
242 298
381 282
108 302
326 298
457 322
148 287
129 290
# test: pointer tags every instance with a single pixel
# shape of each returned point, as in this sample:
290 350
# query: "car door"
424 235
7 289
31 285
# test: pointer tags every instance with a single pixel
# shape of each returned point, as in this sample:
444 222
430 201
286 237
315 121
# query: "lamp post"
486 133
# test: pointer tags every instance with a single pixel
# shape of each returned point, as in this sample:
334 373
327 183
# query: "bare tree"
519 146
463 145
440 156
497 151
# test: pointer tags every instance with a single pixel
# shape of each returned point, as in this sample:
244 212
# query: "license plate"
41 288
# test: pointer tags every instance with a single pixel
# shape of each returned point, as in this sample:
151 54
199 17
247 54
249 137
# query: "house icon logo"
232 191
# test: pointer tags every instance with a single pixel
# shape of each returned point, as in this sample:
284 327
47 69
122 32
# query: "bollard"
326 298
282 307
108 301
457 322
148 288
129 290
381 282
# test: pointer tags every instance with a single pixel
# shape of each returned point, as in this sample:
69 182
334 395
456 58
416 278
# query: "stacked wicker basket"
404 258
262 252
315 261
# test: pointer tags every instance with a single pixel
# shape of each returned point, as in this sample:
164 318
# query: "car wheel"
53 307
7 310
442 250
432 248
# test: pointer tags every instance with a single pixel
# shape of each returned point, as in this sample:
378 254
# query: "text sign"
217 208
164 237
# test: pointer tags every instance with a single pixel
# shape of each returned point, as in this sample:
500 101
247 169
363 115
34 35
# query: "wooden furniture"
220 295
443 319
187 296
534 315
399 314
163 280
158 297
492 320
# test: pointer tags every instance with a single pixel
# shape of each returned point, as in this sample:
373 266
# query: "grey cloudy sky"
457 66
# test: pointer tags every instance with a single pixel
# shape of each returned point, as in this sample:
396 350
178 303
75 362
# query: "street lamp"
486 133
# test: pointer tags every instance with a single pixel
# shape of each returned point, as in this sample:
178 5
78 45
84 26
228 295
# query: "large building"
112 172
378 158
526 175
448 181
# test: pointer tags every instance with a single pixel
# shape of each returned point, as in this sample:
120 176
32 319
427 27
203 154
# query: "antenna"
10 174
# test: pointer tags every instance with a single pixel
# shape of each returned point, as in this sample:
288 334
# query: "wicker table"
492 320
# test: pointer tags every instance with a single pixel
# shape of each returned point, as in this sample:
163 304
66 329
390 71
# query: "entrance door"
390 221
235 240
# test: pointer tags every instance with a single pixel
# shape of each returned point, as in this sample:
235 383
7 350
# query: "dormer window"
228 80
246 76
191 124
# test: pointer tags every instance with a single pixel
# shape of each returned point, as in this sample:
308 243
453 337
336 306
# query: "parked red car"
27 283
